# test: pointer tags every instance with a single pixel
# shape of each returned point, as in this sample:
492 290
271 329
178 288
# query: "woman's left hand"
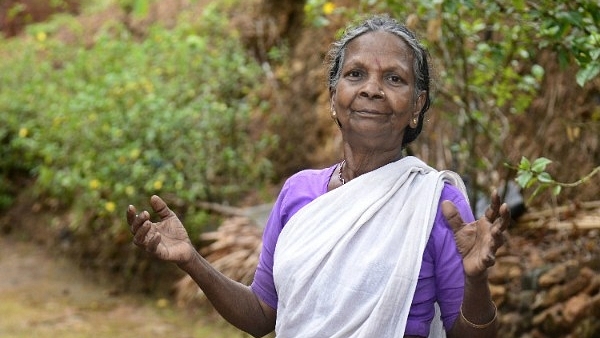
478 241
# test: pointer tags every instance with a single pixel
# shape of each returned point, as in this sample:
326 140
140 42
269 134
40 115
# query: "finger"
131 214
153 242
499 226
140 236
138 221
160 207
452 216
497 239
490 259
504 217
491 213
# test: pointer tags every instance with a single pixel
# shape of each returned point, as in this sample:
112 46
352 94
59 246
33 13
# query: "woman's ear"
332 111
420 103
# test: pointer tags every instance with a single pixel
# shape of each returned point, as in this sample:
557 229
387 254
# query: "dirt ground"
42 295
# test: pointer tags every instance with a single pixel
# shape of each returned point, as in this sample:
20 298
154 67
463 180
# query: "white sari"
347 264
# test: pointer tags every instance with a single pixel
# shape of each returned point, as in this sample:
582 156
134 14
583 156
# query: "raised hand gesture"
478 241
166 239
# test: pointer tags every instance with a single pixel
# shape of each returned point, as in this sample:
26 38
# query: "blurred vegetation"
108 125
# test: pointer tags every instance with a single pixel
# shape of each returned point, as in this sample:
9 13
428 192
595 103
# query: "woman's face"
374 99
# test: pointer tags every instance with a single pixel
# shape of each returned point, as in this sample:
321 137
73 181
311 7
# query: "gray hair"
336 56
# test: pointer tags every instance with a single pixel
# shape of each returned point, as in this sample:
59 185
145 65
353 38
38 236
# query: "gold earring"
416 120
335 119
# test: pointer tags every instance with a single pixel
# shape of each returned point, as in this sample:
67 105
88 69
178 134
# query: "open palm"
478 241
167 239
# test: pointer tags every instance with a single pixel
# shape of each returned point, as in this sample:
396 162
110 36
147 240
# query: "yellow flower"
94 184
134 153
23 132
158 185
110 206
129 190
41 36
328 8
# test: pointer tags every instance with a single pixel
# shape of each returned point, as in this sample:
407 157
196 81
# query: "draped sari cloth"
347 264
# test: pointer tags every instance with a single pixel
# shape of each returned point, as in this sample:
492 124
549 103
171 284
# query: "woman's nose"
372 90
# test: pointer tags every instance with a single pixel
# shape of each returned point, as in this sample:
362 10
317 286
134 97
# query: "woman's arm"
233 300
168 240
478 242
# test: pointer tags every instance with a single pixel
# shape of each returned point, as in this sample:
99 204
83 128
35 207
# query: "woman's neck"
360 162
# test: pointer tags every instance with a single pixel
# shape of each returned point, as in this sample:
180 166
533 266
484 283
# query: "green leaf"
587 73
539 165
573 18
523 178
595 54
556 190
525 164
538 189
537 71
545 178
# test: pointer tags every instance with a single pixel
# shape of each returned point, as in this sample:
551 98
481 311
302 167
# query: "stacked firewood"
233 249
546 280
575 216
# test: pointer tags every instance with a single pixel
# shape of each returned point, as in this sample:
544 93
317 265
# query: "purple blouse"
441 277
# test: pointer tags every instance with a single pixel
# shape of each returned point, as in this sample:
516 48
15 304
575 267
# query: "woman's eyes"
354 74
394 79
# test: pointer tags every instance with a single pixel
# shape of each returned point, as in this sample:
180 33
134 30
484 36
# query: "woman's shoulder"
310 179
313 174
303 187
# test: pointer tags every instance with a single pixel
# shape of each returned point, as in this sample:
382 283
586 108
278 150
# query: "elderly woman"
378 245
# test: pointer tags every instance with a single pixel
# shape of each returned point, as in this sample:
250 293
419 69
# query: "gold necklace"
340 173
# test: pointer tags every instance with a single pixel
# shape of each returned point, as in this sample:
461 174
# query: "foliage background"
173 112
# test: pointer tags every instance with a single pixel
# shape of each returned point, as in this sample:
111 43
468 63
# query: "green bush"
109 125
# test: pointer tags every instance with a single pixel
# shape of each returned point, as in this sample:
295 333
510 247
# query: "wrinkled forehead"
379 45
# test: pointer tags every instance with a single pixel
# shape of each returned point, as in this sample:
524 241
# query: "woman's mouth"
369 112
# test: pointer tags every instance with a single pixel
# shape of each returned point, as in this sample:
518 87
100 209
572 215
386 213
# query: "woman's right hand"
166 239
478 241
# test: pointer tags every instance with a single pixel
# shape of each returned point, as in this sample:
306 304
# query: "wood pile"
546 281
233 249
577 216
